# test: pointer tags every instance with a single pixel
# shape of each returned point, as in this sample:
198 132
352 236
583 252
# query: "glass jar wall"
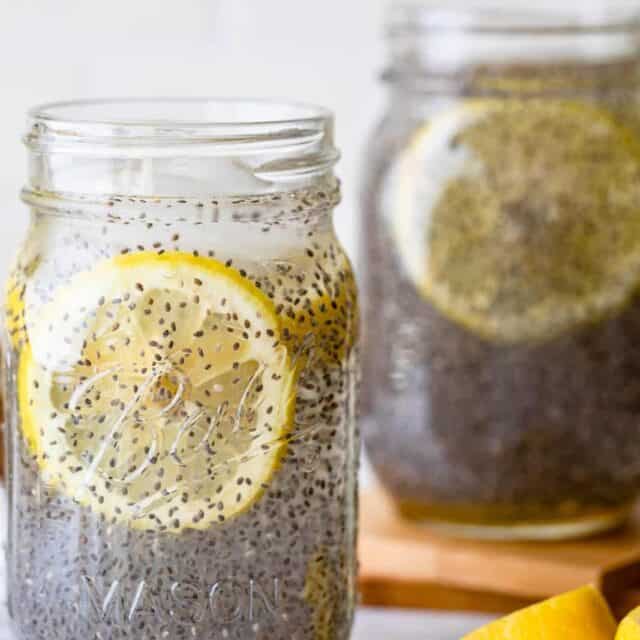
501 264
181 338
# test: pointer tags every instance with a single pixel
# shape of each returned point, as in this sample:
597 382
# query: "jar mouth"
174 121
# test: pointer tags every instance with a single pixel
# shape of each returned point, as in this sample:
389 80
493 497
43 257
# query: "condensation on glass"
501 264
181 342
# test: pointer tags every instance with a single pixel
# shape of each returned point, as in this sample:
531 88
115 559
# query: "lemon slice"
155 390
629 628
582 614
520 219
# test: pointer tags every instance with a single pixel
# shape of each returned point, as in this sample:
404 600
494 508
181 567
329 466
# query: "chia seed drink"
181 370
503 235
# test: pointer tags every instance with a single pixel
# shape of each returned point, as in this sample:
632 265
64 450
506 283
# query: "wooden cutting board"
405 565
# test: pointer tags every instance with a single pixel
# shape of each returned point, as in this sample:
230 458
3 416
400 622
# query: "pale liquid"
282 569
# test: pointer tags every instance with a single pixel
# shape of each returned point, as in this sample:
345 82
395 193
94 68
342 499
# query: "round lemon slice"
520 219
155 390
582 613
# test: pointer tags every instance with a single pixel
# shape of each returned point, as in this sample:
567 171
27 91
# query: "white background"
327 52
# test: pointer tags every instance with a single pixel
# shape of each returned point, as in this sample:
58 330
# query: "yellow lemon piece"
581 614
155 390
319 595
15 302
629 628
325 320
14 311
520 219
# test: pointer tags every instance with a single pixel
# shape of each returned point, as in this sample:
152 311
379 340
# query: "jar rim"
63 111
157 122
434 46
418 16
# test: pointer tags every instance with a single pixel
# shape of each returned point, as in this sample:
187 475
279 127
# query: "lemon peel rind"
582 613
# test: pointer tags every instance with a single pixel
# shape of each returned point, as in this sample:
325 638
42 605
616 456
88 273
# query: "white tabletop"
391 624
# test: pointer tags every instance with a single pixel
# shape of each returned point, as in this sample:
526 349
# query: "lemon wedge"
582 614
155 390
629 628
520 219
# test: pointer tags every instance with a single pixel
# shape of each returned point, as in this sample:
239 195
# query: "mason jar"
181 340
500 271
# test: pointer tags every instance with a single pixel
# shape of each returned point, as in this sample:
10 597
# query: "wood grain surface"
403 564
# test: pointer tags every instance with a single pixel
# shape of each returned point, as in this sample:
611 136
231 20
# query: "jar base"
580 526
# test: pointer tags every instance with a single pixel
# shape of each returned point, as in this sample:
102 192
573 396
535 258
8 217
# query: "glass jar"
501 263
181 342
